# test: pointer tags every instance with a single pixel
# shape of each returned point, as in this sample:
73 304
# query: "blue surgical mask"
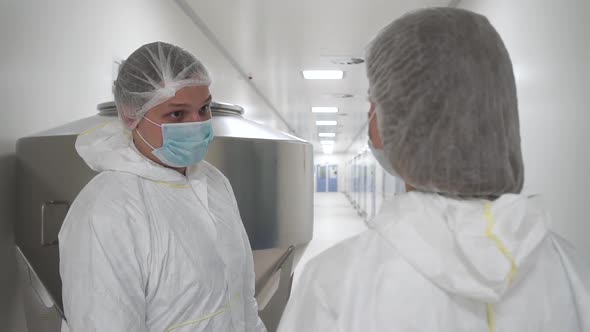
382 160
184 144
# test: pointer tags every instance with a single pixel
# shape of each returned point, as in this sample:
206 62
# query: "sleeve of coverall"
578 273
308 308
102 272
252 320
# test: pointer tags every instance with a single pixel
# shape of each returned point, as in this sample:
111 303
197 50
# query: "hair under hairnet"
443 85
153 74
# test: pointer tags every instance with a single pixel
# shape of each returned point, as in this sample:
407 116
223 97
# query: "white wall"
56 64
549 42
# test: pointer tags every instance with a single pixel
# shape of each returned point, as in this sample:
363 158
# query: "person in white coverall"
463 250
155 241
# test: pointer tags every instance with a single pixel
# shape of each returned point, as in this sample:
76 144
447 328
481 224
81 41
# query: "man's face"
190 104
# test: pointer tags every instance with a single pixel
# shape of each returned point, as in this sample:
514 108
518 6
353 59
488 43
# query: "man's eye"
176 114
205 108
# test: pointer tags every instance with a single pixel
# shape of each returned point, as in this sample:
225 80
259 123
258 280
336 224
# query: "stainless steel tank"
270 172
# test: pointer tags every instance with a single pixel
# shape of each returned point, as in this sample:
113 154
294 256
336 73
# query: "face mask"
378 153
382 160
184 144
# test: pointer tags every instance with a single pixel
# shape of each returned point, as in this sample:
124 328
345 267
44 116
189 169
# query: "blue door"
333 178
321 178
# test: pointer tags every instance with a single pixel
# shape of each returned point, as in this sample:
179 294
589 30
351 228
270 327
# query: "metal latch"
53 213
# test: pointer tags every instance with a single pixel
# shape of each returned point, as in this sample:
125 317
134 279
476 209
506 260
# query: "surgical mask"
184 144
382 160
378 153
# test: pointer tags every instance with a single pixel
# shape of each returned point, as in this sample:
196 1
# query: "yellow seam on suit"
190 322
172 185
513 269
89 131
491 322
490 234
216 313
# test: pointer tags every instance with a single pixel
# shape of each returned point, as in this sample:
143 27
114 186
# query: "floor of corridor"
334 221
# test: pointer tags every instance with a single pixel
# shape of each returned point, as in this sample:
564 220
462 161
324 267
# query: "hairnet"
153 74
445 94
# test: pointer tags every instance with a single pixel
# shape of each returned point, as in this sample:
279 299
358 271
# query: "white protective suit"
144 248
432 263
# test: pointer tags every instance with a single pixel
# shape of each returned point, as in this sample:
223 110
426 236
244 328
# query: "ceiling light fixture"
324 109
323 74
326 123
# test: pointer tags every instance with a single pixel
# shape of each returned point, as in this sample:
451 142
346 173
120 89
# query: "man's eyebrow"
178 104
209 99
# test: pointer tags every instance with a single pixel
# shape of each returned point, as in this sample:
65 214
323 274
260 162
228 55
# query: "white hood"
472 248
109 147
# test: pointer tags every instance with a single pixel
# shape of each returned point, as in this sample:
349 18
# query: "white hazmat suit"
145 248
431 263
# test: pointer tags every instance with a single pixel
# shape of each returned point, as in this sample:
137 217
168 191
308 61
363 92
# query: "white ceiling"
273 40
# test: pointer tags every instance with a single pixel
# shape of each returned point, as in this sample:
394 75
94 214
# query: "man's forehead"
188 100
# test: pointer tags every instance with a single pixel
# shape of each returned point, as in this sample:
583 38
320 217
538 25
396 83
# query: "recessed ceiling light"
327 134
326 123
327 142
328 149
324 109
323 74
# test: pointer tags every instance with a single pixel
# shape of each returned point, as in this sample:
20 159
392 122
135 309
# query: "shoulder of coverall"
112 193
340 264
214 175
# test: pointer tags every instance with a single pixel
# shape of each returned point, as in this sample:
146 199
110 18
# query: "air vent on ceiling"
343 60
107 108
339 95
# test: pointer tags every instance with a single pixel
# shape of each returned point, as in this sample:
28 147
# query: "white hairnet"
443 85
153 74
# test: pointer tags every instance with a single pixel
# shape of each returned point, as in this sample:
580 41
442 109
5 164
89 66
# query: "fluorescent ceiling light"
323 74
323 109
327 134
326 123
328 149
327 142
